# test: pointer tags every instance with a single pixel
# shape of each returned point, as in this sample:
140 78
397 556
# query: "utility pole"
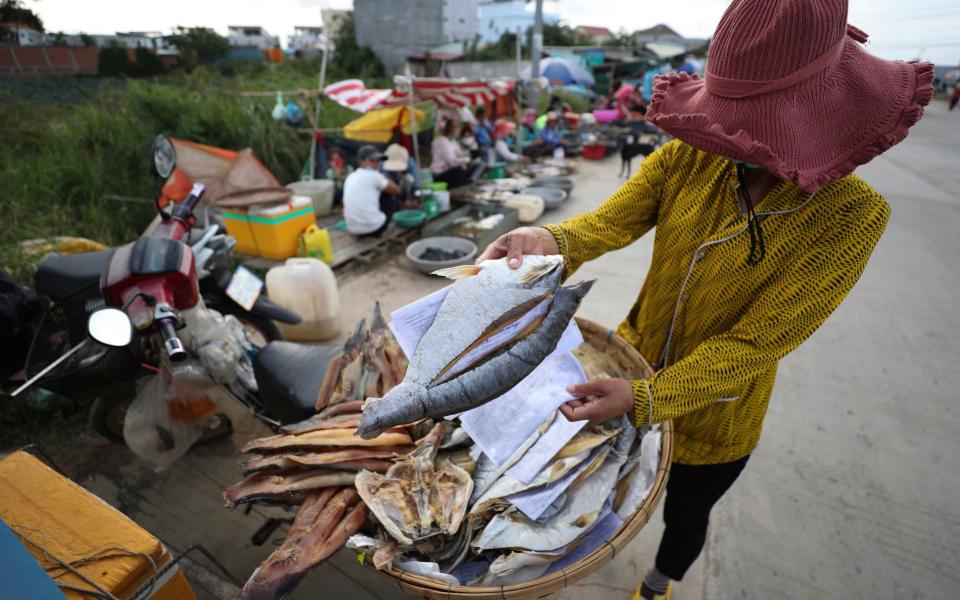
535 51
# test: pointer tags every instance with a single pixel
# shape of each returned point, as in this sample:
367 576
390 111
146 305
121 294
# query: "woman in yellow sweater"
761 231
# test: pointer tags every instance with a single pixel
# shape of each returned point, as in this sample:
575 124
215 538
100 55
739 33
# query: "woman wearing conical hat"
761 231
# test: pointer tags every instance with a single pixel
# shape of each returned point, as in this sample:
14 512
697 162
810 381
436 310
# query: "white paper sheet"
500 426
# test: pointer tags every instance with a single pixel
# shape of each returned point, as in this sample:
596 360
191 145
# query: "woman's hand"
599 400
520 241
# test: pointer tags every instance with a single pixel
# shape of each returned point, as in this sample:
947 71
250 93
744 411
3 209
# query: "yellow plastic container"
272 232
315 243
73 525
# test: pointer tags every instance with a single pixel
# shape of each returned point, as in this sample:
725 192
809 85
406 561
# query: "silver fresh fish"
492 330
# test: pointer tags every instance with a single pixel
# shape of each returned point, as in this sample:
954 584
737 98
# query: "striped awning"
353 94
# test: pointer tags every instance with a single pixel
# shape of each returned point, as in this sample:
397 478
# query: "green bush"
60 160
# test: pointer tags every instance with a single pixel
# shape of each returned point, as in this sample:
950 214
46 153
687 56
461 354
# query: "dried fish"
331 392
354 406
316 423
439 384
283 486
362 458
319 529
325 437
585 499
416 498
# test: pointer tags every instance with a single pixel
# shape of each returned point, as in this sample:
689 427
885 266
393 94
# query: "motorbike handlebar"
185 208
172 343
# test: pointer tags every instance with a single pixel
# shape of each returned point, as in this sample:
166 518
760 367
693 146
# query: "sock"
656 581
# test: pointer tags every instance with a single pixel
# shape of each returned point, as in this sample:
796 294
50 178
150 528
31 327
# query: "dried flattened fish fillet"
325 437
416 498
319 529
284 486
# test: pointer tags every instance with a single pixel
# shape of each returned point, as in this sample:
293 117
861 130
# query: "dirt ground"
853 492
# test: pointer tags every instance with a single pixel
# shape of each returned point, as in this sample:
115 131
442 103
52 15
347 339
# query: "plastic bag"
221 345
169 413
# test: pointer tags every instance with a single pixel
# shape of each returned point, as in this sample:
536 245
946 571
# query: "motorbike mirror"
163 157
111 327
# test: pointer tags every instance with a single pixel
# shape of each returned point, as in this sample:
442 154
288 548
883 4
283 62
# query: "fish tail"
377 322
459 272
537 272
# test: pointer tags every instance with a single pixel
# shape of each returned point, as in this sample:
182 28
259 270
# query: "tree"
59 39
503 49
622 39
114 61
87 40
351 58
198 45
146 64
13 11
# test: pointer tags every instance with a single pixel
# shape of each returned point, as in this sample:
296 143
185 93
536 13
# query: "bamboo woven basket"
623 359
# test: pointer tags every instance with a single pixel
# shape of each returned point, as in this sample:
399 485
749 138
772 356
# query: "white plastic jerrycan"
308 287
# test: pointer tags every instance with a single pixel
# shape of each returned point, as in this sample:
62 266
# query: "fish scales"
485 297
411 401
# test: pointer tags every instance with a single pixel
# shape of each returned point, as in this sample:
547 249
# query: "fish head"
403 404
536 272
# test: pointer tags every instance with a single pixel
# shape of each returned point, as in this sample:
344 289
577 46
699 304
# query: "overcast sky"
929 29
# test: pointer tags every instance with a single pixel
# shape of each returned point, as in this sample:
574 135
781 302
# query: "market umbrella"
563 71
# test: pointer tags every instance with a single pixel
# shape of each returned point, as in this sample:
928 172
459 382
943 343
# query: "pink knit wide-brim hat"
789 87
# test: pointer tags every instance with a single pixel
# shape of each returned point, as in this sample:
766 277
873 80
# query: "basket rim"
546 584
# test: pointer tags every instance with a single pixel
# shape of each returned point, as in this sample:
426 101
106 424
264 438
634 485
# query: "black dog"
631 147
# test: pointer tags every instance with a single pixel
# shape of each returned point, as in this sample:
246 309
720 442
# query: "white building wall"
460 20
498 18
30 37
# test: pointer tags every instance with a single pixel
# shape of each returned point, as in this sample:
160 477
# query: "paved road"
854 491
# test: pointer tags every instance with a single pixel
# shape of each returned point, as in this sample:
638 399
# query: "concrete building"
24 35
460 20
251 36
397 30
307 37
497 17
597 35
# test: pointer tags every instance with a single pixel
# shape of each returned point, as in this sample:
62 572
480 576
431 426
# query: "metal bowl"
563 183
552 197
443 242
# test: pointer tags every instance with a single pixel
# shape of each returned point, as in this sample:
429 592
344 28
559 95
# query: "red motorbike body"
156 270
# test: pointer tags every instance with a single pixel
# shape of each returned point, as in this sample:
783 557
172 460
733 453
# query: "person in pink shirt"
449 162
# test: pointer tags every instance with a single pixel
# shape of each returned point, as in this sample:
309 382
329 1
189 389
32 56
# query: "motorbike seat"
61 276
289 377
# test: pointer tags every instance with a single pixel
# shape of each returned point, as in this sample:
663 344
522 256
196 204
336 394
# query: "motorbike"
116 317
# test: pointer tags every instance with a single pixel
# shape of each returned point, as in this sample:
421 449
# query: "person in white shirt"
368 196
449 159
503 130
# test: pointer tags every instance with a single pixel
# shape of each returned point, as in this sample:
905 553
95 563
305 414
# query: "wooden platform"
349 251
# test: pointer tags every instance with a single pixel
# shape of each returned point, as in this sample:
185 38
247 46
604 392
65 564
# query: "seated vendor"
449 162
366 208
549 139
502 133
399 169
338 172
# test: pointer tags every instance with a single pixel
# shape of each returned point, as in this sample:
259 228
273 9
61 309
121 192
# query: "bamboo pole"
319 102
413 124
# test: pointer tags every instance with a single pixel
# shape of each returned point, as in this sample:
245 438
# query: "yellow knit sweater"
713 325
